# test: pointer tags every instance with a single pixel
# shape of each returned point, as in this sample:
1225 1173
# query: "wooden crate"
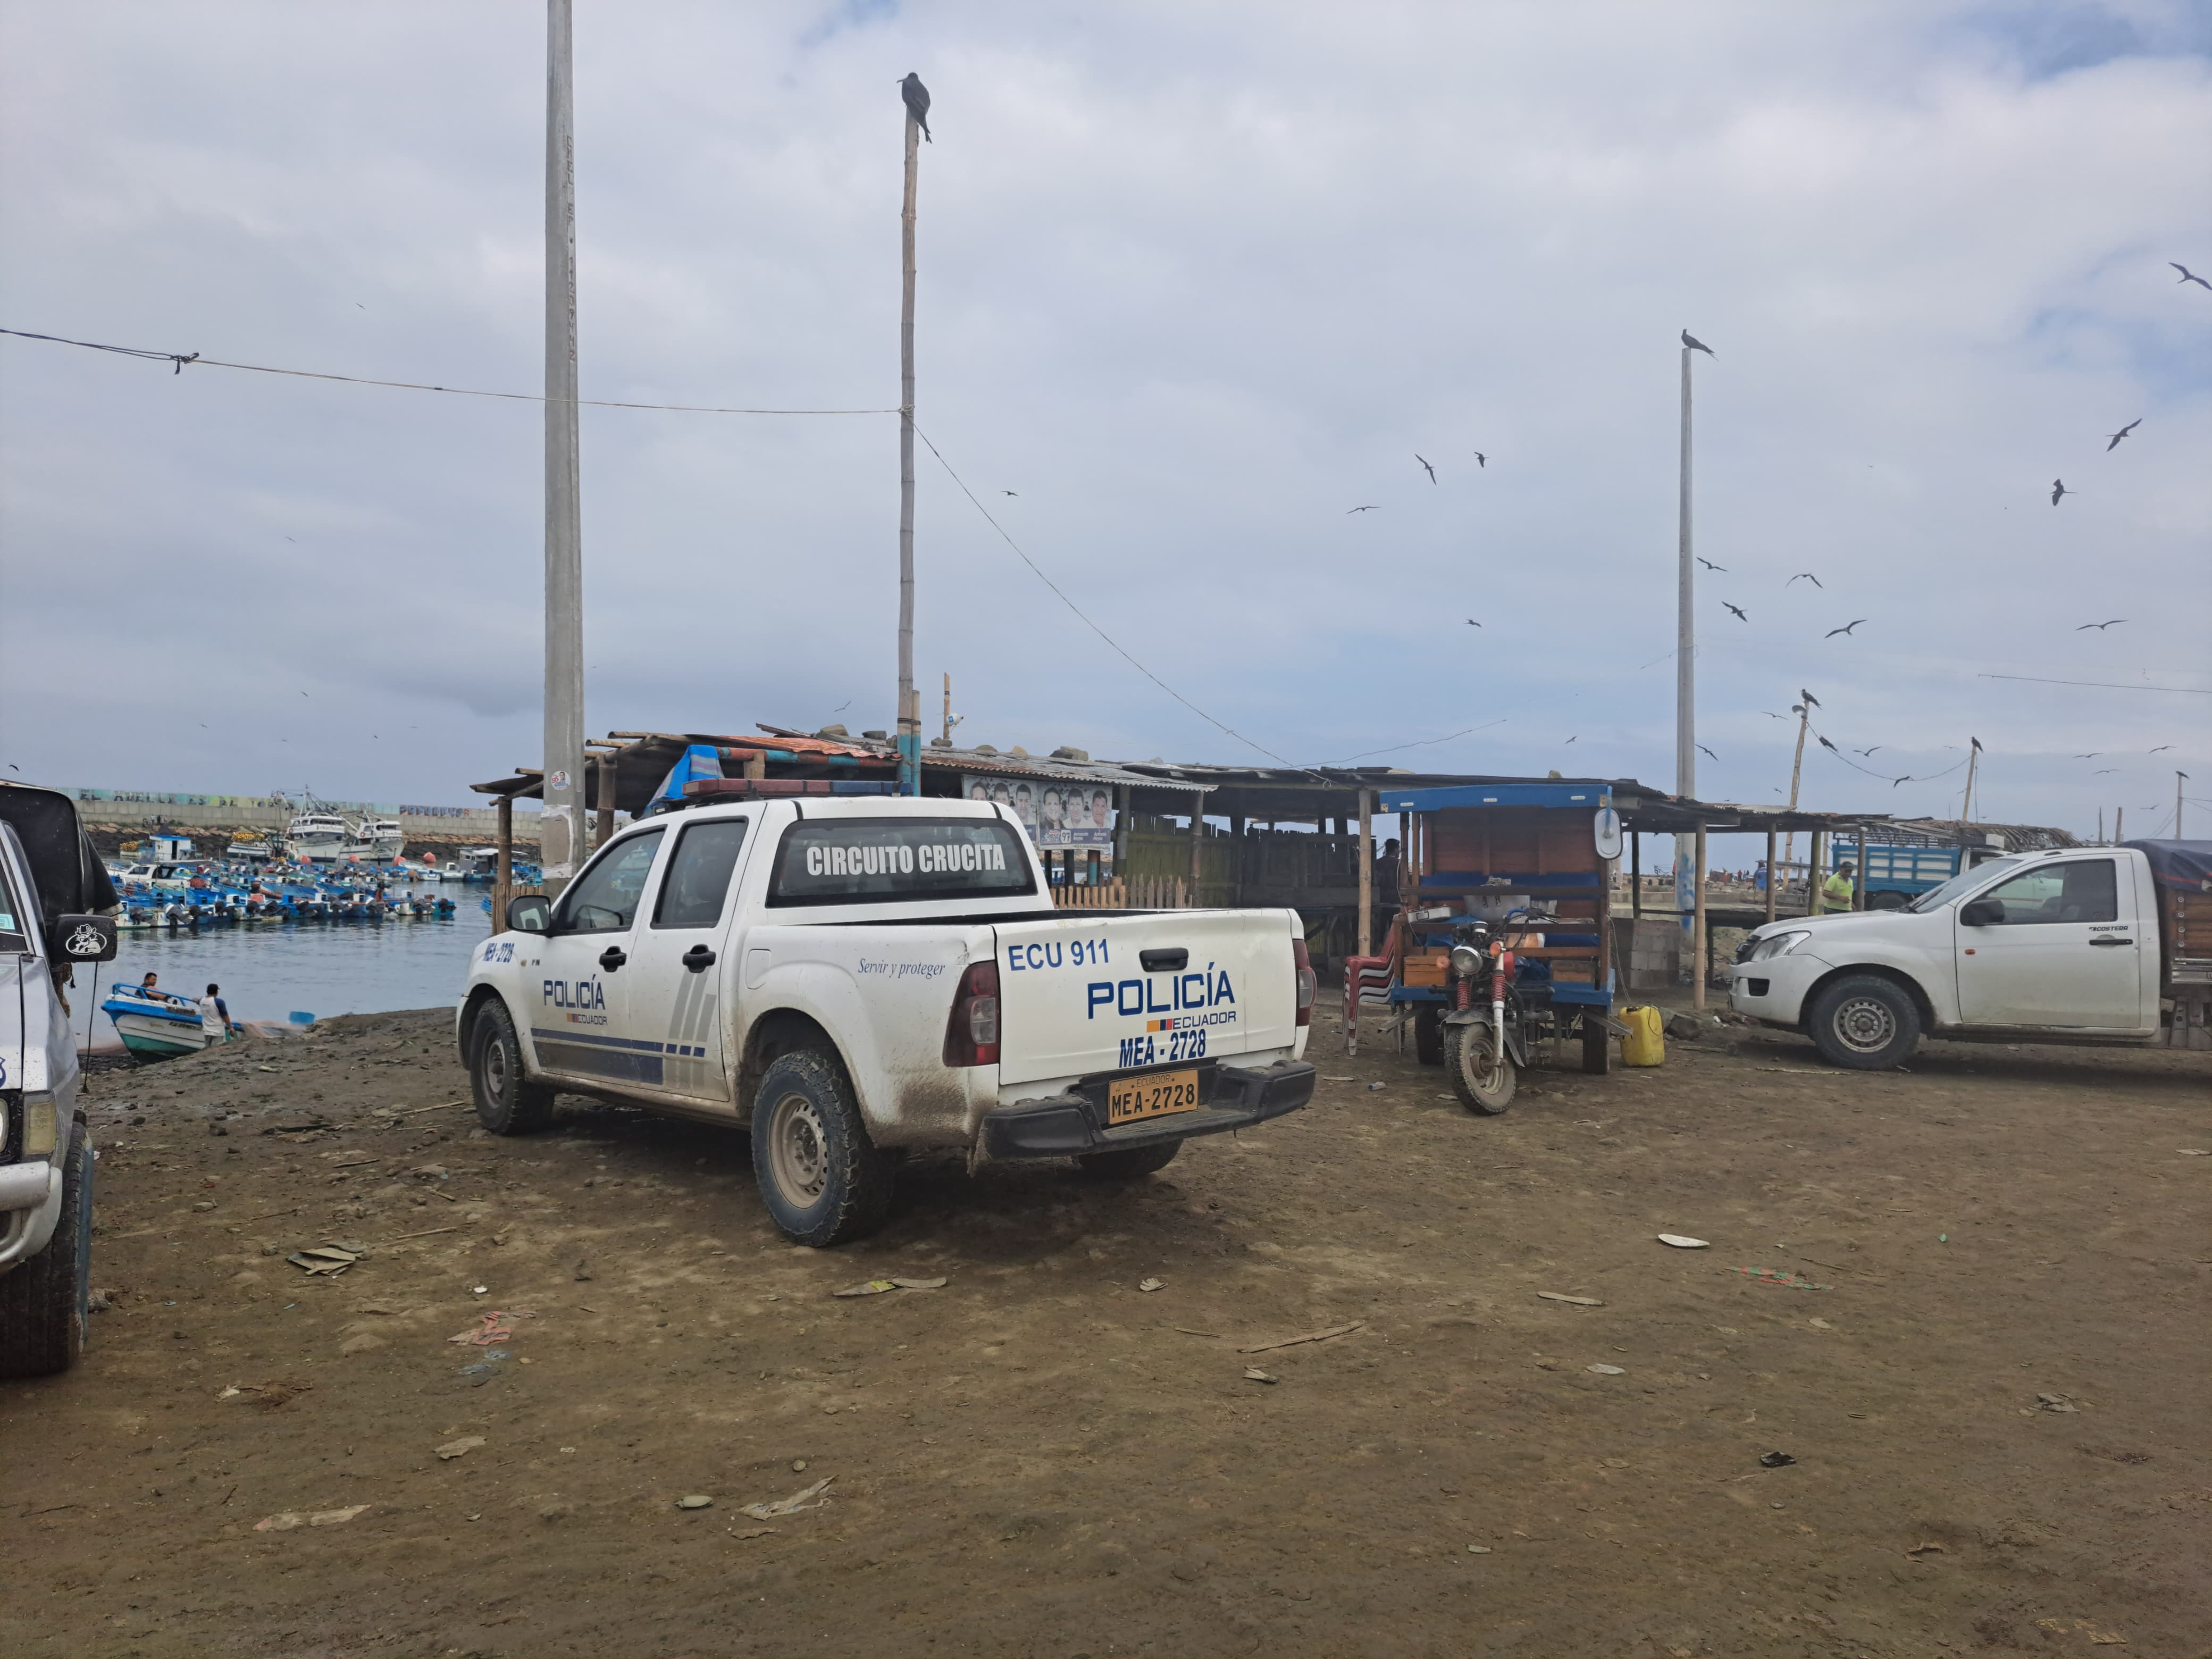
1427 968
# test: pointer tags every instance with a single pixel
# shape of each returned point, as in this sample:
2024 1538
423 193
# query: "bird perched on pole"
917 102
1810 701
1694 343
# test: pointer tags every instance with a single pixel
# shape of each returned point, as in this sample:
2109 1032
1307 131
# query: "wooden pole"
1813 875
502 884
948 709
1797 767
1859 884
561 823
1197 843
1366 873
605 762
1698 924
1122 799
910 699
1771 877
2180 778
2120 815
1635 873
1966 801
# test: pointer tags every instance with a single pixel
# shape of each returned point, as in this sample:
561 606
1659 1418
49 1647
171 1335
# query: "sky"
1196 280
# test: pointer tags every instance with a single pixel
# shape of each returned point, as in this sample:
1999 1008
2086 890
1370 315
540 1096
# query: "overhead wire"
199 362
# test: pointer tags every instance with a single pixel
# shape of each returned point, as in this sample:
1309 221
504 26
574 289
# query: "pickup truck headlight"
41 1125
1777 944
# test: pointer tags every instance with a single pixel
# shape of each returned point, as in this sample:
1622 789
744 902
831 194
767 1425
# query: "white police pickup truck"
861 978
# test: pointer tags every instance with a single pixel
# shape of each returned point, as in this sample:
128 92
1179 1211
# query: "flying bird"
1710 565
2092 755
1009 492
2121 433
2161 748
1481 459
1771 715
1865 751
2103 771
917 102
2189 275
1810 699
1431 470
1372 507
1692 343
1570 740
1804 576
1846 629
1895 782
1471 623
1739 614
2058 488
2099 627
1706 752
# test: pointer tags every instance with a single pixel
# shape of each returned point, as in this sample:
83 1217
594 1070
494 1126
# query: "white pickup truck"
862 978
2089 945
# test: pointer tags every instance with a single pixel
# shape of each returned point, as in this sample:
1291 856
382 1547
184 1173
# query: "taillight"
1303 963
971 1035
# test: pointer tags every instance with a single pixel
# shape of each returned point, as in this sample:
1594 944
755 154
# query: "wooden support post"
756 764
1635 873
1771 877
1813 873
1121 798
1197 843
604 764
1698 924
1366 873
1859 883
502 883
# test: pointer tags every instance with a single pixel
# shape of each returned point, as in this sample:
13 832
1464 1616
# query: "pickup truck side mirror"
529 913
1981 913
86 938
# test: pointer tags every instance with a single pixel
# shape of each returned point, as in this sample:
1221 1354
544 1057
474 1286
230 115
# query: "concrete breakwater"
114 815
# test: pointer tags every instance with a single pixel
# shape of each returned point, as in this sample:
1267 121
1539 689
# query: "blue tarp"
2185 865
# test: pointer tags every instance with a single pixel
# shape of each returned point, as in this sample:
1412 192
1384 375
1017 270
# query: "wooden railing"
1136 893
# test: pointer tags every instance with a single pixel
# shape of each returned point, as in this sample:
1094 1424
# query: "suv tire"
1864 1022
824 1181
507 1102
44 1302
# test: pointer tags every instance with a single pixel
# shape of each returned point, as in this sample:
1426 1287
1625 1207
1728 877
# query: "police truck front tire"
44 1302
1864 1022
824 1181
507 1102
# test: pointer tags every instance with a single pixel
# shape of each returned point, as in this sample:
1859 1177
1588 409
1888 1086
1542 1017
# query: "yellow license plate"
1156 1094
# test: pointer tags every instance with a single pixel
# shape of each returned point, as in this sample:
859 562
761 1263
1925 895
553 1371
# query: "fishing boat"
154 1026
318 836
379 837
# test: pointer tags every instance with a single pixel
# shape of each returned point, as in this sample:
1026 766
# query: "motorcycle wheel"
1483 1079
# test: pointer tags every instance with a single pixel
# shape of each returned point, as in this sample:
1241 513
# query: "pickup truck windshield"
885 860
1937 896
12 928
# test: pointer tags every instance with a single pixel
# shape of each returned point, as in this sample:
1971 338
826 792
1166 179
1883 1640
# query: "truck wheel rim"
496 1069
798 1149
1865 1025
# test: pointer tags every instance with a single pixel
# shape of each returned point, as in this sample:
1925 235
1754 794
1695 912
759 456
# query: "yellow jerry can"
1646 1042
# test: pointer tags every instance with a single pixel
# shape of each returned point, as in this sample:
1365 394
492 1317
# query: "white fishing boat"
154 1024
379 837
320 837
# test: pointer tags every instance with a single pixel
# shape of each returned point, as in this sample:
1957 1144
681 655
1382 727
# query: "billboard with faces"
1060 813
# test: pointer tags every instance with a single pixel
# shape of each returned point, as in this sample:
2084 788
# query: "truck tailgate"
1077 996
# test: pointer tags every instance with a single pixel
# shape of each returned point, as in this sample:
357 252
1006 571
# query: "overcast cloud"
1196 279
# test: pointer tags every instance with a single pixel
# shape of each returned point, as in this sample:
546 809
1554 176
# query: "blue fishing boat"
154 1024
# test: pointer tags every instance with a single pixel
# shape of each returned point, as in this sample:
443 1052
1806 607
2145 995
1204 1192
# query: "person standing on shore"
215 1016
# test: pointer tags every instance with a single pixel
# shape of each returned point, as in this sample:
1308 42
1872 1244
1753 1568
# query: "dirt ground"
1043 1458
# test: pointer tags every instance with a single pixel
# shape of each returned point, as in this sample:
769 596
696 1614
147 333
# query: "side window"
605 898
697 884
2081 890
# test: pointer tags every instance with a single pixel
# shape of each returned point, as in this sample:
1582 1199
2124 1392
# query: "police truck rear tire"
507 1102
1864 1022
824 1181
44 1302
1129 1163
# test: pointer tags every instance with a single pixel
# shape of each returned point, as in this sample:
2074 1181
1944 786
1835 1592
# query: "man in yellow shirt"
1836 891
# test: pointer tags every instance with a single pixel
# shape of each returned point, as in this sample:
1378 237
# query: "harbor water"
271 970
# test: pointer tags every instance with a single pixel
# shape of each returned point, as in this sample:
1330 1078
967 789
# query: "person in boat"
215 1016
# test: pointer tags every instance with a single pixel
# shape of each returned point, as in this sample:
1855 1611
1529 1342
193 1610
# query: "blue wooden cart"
1491 850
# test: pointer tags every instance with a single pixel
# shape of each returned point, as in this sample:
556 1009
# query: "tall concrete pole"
1686 624
561 827
909 700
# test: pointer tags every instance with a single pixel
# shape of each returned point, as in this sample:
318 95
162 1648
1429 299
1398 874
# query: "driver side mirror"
1981 913
529 913
86 938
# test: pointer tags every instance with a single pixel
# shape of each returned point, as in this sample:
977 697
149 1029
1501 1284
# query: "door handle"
2108 942
698 958
613 957
1164 961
